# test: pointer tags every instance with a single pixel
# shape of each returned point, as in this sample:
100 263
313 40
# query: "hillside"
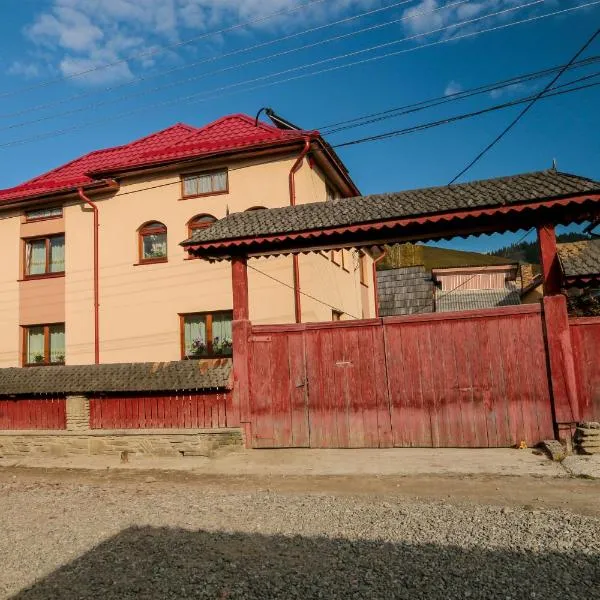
528 251
432 257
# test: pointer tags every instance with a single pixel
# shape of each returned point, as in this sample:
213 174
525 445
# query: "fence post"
558 337
240 335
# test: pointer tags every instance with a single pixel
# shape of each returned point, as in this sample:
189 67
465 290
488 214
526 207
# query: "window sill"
42 276
204 195
44 364
151 261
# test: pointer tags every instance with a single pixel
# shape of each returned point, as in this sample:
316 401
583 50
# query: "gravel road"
152 540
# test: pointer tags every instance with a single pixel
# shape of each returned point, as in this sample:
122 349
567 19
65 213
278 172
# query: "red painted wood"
260 381
551 270
298 390
561 360
177 411
30 413
585 336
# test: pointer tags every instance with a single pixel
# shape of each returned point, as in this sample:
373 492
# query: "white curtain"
190 186
220 181
221 331
57 254
57 343
205 184
35 345
194 336
36 257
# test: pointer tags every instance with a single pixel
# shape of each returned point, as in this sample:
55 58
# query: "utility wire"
432 102
303 293
210 59
528 107
197 97
237 66
155 51
432 124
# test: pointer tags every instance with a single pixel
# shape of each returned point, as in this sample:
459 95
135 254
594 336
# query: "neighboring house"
580 264
155 304
445 280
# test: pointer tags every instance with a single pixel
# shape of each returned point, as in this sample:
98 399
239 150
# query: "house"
430 279
125 291
580 264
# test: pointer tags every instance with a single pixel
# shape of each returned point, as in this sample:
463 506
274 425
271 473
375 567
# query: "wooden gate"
468 379
585 336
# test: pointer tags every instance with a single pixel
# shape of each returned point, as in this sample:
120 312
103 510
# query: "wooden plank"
383 408
260 395
280 389
338 414
354 400
298 390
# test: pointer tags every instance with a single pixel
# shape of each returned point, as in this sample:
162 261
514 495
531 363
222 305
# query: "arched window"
152 242
256 208
200 222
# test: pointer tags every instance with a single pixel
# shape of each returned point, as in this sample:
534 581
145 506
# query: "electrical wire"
197 97
527 108
157 50
187 66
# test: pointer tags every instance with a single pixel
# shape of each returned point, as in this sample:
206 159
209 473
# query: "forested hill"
528 251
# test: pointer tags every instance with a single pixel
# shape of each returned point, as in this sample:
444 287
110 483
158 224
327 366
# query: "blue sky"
46 43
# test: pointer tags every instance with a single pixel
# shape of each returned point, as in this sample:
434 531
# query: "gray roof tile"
404 291
184 375
580 259
527 187
475 299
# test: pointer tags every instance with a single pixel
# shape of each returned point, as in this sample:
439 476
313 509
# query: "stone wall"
587 438
78 413
174 443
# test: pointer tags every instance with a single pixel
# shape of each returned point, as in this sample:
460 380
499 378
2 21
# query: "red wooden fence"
175 411
44 413
468 379
585 337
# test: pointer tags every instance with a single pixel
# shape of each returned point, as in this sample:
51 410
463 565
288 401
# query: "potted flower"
38 358
198 347
222 346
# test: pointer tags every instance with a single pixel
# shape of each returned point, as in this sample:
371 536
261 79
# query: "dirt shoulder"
534 492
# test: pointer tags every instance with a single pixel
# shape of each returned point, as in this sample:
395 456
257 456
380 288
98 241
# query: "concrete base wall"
189 442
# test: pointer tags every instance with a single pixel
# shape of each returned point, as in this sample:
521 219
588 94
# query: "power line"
446 98
197 96
432 124
155 51
528 107
301 292
187 66
205 75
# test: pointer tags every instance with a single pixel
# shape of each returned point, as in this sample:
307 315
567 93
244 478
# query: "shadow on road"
161 563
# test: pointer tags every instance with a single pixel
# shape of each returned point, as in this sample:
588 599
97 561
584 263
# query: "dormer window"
205 184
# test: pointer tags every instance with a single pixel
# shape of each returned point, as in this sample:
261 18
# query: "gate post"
240 342
558 337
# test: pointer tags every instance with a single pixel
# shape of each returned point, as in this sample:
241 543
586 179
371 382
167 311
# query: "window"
206 335
153 242
202 184
44 213
45 256
44 344
200 222
336 315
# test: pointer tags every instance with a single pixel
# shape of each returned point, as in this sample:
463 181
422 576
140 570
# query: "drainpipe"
295 266
93 206
375 289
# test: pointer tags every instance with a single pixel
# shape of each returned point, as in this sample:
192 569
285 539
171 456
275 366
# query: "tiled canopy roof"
580 259
503 191
185 375
475 299
231 133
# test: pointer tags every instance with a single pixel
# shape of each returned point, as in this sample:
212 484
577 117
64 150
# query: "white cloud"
521 89
28 70
453 87
82 35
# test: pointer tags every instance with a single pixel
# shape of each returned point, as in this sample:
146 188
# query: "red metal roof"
230 133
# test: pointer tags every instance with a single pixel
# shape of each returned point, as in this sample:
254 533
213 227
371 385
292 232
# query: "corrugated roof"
404 291
184 375
528 187
475 299
580 259
230 133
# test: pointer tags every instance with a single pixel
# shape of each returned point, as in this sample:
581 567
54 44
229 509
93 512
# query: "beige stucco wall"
9 289
140 304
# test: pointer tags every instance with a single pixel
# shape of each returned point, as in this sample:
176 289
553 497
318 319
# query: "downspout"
375 287
93 206
295 266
